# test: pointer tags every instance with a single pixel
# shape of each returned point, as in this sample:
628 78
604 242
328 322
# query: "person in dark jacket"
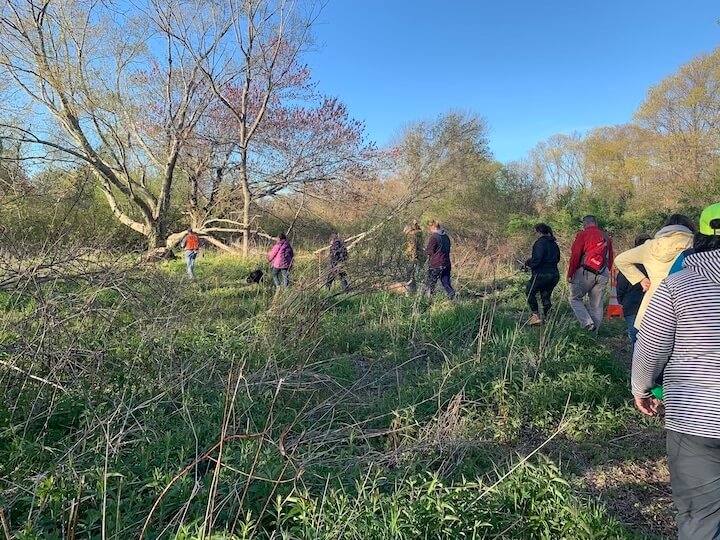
545 274
439 265
338 257
630 296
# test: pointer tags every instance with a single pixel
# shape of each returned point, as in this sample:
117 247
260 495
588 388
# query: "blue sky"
531 68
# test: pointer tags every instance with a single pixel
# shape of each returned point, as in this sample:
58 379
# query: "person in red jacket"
588 273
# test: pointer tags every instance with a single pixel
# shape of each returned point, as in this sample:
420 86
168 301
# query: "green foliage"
371 412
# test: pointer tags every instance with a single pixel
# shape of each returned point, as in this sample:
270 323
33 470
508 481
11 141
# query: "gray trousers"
695 478
585 283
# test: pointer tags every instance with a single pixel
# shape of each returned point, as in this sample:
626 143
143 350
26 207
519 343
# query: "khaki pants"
585 283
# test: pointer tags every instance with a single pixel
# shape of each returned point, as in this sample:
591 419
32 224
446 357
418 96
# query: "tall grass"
154 405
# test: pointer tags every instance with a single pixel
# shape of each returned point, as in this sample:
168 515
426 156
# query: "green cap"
710 214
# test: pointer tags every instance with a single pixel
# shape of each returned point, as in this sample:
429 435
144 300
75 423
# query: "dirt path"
635 486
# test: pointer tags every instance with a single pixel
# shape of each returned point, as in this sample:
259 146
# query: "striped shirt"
679 341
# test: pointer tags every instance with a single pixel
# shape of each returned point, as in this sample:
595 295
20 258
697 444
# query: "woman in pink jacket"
280 258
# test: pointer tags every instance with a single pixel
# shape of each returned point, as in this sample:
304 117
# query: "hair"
544 229
589 220
703 242
282 236
679 219
434 223
641 239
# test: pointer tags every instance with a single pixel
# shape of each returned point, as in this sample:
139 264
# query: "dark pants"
631 330
544 284
334 273
281 276
695 478
443 274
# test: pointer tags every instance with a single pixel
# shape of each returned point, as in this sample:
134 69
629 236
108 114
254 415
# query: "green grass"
368 415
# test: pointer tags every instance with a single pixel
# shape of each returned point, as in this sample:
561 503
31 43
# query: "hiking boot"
535 320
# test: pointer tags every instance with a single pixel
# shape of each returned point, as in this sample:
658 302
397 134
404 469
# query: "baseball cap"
708 216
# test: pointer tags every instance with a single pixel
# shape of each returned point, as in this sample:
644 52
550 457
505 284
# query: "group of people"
281 257
436 252
669 288
588 273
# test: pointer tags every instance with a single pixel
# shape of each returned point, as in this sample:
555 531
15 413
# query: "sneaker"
590 327
535 320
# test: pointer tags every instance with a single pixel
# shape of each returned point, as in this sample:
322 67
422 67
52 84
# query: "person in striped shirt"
679 342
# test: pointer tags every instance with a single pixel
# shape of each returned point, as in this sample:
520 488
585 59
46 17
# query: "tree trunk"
246 225
247 196
157 235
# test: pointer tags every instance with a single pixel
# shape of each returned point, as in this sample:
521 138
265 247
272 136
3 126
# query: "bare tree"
112 87
285 137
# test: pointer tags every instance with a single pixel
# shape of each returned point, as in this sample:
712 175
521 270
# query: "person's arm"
183 242
654 348
575 255
626 263
539 253
273 253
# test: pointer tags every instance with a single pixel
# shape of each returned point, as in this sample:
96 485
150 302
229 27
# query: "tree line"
134 121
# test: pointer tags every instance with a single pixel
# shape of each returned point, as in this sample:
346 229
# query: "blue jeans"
443 274
632 332
281 276
190 255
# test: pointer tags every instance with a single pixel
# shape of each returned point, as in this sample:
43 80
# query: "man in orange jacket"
191 245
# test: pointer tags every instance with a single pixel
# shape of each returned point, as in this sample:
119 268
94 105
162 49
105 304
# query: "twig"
31 376
6 529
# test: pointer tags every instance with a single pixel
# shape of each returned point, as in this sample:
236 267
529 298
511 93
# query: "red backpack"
596 256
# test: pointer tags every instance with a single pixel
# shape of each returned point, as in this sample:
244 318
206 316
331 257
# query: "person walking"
415 254
591 257
191 245
545 274
281 258
657 257
439 264
338 256
680 342
630 296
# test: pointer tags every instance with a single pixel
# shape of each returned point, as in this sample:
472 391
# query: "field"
139 404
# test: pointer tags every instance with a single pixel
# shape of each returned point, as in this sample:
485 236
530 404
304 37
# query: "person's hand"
569 279
645 284
647 405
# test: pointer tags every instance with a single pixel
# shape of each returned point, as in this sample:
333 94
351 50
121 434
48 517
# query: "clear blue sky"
532 68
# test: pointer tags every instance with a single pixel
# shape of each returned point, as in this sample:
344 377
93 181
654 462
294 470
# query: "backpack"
192 242
595 258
